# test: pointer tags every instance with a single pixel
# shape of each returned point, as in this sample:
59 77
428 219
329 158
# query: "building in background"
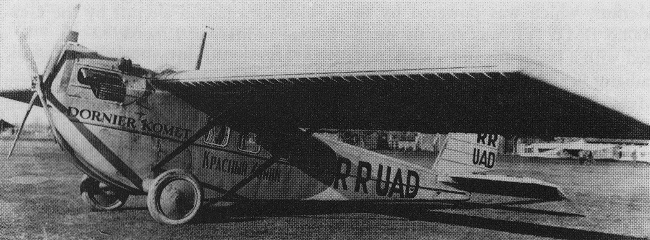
7 128
602 149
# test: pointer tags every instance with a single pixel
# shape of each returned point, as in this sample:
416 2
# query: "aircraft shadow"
258 210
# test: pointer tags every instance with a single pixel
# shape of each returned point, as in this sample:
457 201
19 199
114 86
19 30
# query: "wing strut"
250 178
212 121
205 129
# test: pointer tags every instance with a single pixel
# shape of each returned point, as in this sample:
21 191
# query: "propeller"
37 79
20 130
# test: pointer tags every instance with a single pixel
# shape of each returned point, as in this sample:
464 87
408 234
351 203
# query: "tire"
174 197
101 197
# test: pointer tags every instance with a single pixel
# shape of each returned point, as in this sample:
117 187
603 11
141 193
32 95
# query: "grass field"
39 199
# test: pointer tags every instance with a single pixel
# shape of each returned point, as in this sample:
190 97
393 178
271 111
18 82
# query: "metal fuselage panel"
119 142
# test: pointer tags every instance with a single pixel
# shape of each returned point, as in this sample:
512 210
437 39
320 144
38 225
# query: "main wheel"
174 197
101 196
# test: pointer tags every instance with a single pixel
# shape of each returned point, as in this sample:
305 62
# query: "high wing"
502 94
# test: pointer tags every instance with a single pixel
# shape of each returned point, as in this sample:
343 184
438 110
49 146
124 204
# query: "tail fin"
465 155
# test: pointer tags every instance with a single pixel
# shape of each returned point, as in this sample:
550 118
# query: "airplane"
189 138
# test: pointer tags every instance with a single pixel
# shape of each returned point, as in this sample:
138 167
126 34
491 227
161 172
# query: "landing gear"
101 196
174 197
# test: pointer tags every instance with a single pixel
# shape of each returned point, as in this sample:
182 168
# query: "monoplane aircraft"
187 138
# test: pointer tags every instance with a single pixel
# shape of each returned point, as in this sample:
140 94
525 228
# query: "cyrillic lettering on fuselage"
385 182
239 167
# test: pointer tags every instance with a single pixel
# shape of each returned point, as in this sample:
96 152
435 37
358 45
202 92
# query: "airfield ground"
39 199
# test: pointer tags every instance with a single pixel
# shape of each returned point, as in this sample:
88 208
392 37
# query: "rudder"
467 153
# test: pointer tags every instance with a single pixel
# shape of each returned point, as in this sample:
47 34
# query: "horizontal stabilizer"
508 186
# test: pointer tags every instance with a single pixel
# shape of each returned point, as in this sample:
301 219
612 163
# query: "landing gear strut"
101 196
174 197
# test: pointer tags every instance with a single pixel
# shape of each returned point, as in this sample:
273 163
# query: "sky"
603 43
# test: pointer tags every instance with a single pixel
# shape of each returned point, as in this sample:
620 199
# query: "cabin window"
248 143
106 86
218 136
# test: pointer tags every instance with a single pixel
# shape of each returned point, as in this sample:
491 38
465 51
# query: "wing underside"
471 98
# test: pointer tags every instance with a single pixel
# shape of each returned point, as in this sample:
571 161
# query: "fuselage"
118 126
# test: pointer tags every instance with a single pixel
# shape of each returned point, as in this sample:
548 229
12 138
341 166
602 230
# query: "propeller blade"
28 56
27 53
61 41
37 80
29 109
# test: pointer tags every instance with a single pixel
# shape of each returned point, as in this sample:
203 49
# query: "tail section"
467 153
466 157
